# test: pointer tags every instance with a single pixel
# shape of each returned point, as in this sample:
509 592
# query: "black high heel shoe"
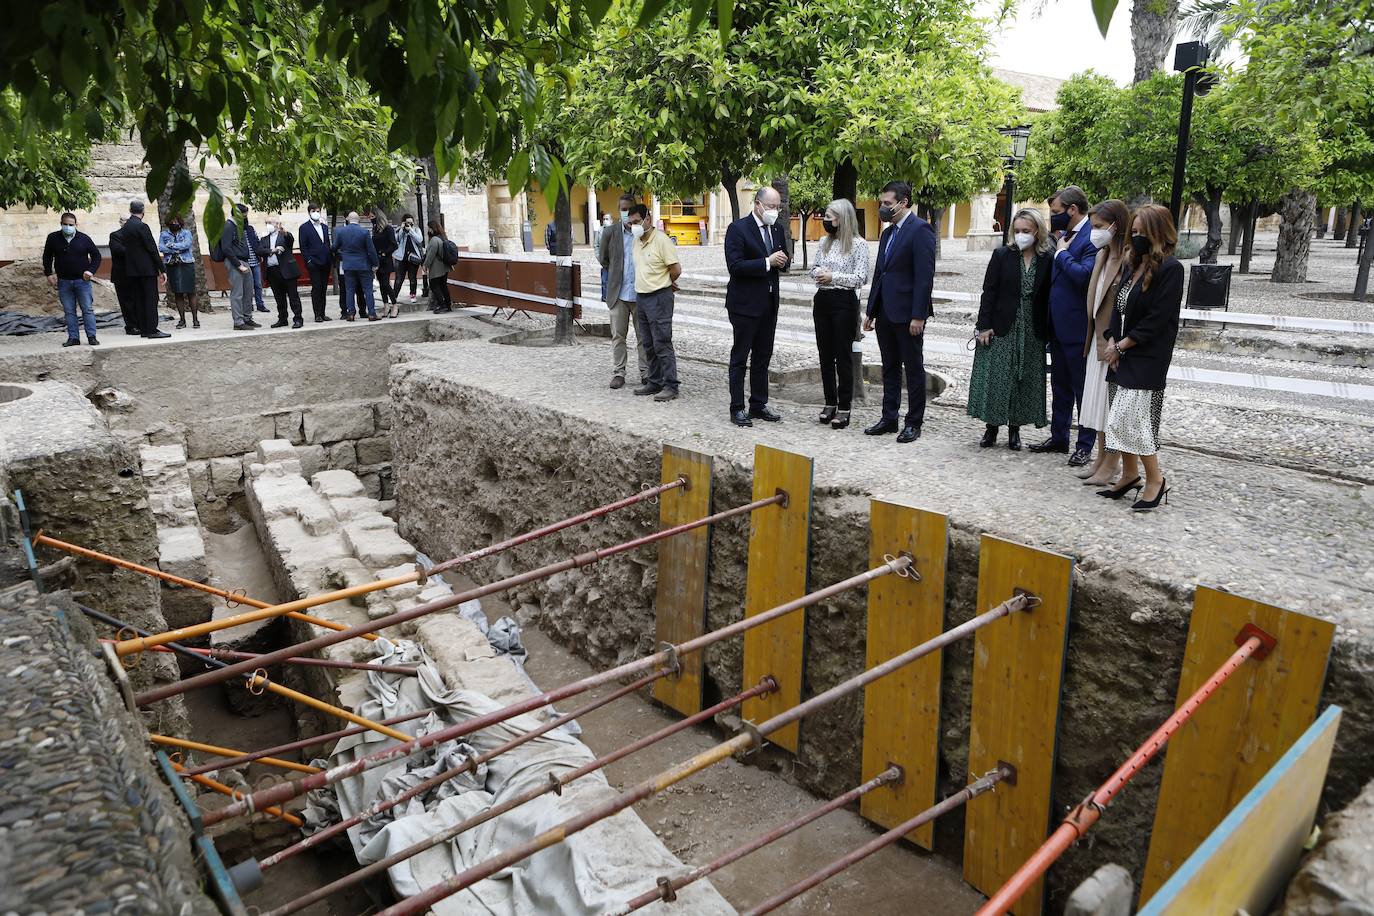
827 414
989 437
1121 491
1142 505
841 420
1014 438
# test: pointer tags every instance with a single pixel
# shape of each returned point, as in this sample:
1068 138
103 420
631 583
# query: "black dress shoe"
1050 445
617 381
252 324
156 335
1079 458
909 434
881 428
72 343
647 389
989 437
95 343
297 324
279 324
765 413
132 332
740 418
1014 438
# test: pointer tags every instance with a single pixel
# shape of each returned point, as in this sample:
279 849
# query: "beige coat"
1102 287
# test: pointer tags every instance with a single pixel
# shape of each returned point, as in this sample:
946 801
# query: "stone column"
950 213
505 215
713 219
981 235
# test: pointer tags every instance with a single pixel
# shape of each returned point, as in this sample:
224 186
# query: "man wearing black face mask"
1070 272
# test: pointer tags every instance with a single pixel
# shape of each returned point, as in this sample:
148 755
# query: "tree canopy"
48 170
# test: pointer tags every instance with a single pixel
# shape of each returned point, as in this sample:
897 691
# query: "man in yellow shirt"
656 273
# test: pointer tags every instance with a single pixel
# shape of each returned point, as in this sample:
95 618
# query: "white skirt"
1093 413
1133 423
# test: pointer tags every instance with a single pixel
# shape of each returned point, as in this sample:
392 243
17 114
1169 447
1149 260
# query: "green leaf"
1102 11
650 11
725 9
518 172
213 218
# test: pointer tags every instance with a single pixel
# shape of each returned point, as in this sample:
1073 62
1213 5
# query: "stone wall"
86 825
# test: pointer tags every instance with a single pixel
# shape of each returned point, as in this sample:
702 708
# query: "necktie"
767 242
1068 236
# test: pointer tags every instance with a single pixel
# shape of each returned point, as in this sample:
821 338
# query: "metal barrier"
511 284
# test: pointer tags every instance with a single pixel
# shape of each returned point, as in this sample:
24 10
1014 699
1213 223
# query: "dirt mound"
24 289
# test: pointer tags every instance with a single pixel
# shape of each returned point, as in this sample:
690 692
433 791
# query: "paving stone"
181 552
270 450
333 484
347 508
377 547
337 422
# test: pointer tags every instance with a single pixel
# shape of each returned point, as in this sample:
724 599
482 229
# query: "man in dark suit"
898 305
358 264
1068 325
120 282
317 251
276 252
142 270
755 252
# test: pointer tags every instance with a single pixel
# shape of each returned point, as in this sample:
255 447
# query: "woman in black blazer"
1142 332
1007 386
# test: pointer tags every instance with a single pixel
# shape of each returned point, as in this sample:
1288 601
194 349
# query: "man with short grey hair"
142 270
233 242
357 262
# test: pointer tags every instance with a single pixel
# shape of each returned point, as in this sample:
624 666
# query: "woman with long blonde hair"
840 269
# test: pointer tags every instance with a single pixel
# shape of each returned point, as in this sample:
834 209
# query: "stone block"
334 484
376 450
226 475
316 518
342 456
372 519
313 459
372 483
181 552
335 422
270 450
157 460
199 474
384 412
288 426
280 496
228 436
377 547
347 508
167 435
1109 891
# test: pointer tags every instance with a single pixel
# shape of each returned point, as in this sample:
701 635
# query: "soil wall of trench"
472 467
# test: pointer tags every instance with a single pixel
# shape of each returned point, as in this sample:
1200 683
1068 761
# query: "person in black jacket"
121 282
1007 386
1142 332
142 270
276 250
755 251
384 240
233 242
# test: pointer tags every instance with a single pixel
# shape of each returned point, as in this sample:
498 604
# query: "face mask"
886 214
315 215
769 217
1140 244
606 222
1024 240
637 230
830 226
69 231
624 216
1101 237
1059 221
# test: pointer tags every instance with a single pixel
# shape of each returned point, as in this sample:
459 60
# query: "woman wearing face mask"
175 244
1141 335
384 240
410 251
1110 220
840 269
1007 386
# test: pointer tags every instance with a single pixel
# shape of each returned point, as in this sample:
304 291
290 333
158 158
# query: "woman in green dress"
1007 387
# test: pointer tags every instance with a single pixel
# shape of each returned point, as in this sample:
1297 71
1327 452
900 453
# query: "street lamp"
420 177
1019 137
1189 59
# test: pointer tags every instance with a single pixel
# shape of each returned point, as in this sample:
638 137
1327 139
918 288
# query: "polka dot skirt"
1133 419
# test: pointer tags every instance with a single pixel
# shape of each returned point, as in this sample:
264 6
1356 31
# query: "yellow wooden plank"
683 564
779 547
1246 726
902 710
1250 856
1018 665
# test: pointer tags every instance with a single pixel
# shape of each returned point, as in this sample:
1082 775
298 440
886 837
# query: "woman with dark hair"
384 240
176 245
1111 222
409 253
1143 328
1007 386
436 271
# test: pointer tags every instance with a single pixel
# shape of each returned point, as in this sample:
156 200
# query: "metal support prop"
983 784
217 786
629 669
742 742
221 886
470 765
1081 819
555 784
667 888
233 655
448 601
254 678
291 608
168 741
234 597
25 541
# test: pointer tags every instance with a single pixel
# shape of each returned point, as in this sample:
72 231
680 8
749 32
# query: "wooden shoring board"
1018 667
1242 730
683 566
902 710
1247 860
779 560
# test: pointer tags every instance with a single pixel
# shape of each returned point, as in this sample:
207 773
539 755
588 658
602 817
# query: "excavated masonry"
489 440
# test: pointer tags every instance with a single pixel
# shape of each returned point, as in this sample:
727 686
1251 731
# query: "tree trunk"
932 215
164 213
805 216
845 184
1153 23
1298 212
1211 205
783 187
562 219
1362 270
433 209
1352 231
730 182
1247 248
1338 228
1237 227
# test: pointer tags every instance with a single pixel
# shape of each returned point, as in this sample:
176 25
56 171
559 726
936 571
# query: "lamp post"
1189 59
1019 137
420 176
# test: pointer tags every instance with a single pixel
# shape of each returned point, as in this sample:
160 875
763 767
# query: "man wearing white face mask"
755 253
617 259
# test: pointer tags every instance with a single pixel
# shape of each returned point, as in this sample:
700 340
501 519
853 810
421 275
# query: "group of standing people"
1099 290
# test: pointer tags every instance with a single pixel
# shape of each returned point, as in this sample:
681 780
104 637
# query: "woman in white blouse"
839 271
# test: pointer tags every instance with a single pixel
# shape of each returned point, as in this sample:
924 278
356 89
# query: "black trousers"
319 286
753 347
439 299
126 306
286 294
902 356
836 313
404 271
384 272
143 303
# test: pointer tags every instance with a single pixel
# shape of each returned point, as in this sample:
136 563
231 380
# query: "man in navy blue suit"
1069 275
316 244
898 305
358 264
755 251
